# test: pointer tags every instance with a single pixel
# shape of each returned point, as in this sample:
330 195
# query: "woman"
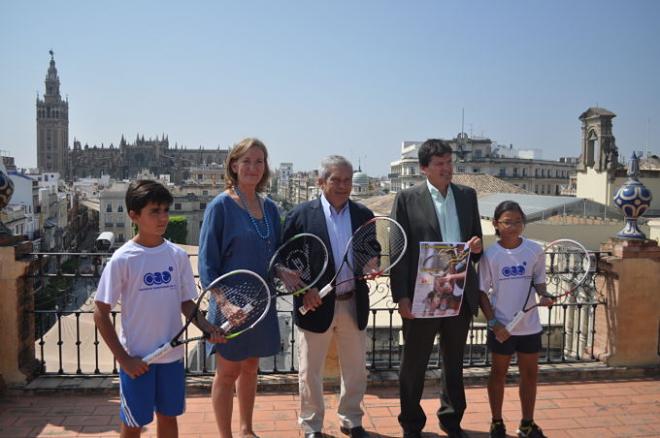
241 230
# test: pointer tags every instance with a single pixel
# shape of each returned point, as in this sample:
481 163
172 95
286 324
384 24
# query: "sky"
313 78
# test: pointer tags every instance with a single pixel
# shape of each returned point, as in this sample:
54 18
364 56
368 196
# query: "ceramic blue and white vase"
633 198
6 188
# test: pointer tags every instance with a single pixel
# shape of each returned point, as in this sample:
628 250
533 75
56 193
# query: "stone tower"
599 151
52 126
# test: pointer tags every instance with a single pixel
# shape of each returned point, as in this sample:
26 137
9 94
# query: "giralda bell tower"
52 126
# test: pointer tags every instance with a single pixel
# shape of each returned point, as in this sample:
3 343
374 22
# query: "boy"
153 280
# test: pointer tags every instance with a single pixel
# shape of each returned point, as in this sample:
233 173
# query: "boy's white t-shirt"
508 272
150 284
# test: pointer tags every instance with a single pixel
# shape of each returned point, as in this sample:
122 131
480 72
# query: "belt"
345 296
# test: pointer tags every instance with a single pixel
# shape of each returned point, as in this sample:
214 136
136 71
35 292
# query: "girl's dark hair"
143 191
505 206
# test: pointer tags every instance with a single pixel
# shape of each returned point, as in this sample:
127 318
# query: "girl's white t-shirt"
507 274
150 284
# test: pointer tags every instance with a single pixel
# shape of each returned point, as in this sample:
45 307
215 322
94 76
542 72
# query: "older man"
342 314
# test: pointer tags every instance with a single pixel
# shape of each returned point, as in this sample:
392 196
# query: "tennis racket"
372 250
234 302
567 263
298 264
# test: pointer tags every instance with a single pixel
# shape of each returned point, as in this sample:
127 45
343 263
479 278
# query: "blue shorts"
161 389
520 344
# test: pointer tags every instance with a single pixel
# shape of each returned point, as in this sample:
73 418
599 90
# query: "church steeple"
53 126
52 80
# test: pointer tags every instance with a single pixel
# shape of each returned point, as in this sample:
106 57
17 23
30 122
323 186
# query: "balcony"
67 347
68 342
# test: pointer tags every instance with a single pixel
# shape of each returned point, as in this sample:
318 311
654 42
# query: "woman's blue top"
228 241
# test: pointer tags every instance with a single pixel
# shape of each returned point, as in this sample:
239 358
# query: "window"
120 209
515 171
177 206
205 192
202 205
502 171
108 208
120 237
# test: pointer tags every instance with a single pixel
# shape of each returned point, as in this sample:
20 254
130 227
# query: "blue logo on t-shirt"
514 271
164 277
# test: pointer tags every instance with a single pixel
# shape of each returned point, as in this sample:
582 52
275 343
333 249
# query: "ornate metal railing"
67 341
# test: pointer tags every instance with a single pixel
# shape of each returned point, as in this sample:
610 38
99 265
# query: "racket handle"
322 293
514 322
160 352
227 325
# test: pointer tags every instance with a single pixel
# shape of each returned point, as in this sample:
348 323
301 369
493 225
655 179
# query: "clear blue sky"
317 77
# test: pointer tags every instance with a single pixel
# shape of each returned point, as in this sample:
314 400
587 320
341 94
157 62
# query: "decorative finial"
52 54
633 198
633 167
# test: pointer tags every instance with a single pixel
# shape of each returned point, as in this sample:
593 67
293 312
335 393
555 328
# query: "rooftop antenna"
648 149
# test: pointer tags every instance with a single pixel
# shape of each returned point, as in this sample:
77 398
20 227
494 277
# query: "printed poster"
440 279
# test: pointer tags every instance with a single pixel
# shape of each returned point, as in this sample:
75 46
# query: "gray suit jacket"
413 208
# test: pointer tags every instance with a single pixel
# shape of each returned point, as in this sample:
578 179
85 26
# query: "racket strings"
377 246
566 269
242 303
296 257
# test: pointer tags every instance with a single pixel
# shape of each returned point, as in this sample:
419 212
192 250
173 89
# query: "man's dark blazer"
308 217
414 209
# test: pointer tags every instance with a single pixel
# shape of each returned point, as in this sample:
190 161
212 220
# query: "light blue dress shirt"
445 210
340 230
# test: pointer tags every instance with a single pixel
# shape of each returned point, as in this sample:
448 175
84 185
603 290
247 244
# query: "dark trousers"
418 335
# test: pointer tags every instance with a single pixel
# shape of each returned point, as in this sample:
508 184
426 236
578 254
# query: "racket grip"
514 322
160 352
322 293
227 325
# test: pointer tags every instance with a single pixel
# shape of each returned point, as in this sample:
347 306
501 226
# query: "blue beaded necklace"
255 224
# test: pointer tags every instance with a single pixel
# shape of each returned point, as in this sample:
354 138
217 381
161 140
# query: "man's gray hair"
325 168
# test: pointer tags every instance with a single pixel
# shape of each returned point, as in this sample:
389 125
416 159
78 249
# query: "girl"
509 289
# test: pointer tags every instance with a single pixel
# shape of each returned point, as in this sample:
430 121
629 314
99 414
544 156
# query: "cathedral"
124 161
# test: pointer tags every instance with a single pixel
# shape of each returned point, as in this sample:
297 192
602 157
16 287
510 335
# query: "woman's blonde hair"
240 149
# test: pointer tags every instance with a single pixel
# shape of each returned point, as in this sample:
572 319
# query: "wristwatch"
492 322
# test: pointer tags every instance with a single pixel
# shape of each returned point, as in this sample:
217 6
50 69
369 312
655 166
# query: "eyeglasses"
508 224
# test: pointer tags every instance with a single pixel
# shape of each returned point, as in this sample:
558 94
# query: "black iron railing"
68 342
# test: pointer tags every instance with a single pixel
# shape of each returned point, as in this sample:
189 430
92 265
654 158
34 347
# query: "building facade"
120 162
599 173
476 156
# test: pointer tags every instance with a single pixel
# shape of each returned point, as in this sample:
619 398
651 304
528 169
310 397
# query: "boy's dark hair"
431 147
505 206
143 191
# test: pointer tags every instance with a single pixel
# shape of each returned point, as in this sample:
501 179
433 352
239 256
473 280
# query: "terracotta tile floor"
621 408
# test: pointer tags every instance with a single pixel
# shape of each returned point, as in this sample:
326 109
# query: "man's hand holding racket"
372 250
